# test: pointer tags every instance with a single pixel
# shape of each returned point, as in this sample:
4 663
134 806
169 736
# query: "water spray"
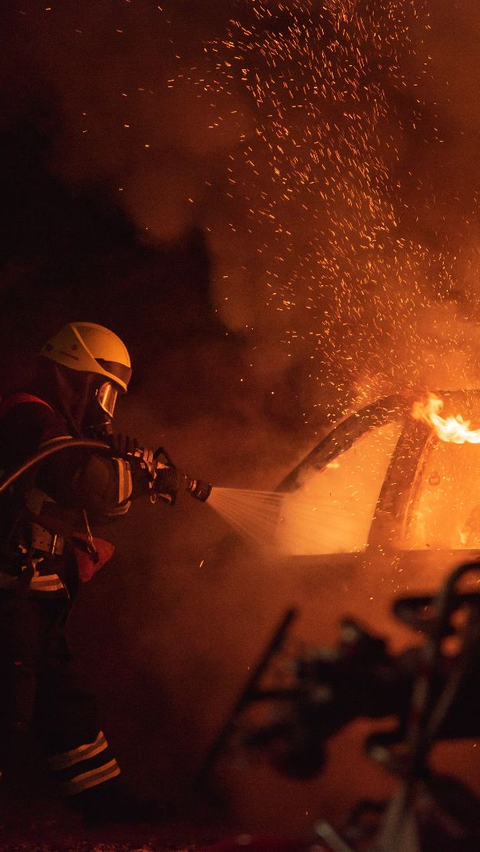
255 514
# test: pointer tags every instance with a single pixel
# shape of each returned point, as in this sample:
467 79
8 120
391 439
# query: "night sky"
275 205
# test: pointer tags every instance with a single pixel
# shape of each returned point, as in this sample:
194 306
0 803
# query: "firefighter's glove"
123 446
127 448
167 483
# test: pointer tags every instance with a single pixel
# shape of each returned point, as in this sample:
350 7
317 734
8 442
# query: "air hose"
196 487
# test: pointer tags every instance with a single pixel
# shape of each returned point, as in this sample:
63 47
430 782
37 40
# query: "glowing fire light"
451 429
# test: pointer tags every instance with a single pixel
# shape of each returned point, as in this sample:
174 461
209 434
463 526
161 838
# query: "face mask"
98 418
106 396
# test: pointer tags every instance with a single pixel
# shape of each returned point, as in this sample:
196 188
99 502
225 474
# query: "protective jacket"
46 542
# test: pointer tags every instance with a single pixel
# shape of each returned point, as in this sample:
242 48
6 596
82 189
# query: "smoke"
327 154
276 129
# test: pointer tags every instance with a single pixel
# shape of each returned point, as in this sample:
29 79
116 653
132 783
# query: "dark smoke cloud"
276 205
160 104
308 144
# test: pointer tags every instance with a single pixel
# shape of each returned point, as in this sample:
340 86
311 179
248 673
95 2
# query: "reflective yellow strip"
82 752
92 778
128 477
121 480
124 480
120 510
46 583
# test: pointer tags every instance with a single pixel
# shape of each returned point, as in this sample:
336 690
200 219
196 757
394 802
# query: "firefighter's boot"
113 804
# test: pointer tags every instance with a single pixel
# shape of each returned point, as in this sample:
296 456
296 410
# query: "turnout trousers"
41 690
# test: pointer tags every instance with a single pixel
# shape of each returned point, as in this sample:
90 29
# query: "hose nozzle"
169 480
199 489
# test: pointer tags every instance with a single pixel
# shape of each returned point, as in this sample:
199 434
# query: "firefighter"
47 548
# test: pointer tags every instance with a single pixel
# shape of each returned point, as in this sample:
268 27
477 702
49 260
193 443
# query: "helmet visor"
107 397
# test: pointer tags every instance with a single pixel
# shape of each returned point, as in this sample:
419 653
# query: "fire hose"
197 488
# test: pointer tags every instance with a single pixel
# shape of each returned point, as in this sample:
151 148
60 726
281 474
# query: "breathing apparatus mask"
100 409
106 396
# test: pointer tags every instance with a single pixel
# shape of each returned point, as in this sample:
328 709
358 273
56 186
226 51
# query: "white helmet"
90 348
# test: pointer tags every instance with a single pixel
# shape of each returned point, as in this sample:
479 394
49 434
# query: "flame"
454 430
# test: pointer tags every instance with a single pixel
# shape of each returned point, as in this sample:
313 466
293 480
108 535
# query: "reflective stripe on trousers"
42 687
85 766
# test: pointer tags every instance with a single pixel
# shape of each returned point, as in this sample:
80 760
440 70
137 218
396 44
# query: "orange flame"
454 430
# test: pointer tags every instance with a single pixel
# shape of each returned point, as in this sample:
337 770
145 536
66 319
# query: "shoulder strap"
18 399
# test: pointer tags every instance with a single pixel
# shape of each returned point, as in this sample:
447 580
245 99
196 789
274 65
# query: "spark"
317 182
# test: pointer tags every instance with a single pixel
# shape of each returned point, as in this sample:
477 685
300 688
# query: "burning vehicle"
400 477
395 485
